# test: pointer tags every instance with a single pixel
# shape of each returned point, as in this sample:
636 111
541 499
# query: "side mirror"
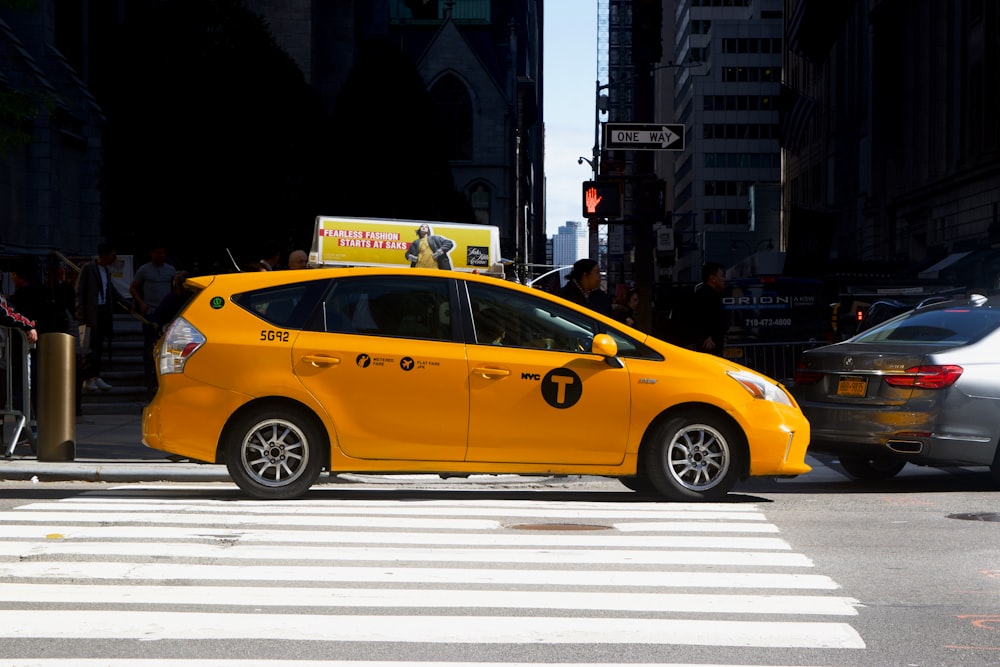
606 346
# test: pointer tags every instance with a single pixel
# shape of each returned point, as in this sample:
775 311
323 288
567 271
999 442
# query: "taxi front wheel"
694 457
274 454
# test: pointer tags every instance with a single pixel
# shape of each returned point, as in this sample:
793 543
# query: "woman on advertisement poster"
429 251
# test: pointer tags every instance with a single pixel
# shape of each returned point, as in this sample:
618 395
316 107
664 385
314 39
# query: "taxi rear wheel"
694 457
275 454
639 484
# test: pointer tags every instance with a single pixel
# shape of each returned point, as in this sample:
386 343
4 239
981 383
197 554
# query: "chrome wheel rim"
274 453
697 457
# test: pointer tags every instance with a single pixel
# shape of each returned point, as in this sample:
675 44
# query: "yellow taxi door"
535 395
387 370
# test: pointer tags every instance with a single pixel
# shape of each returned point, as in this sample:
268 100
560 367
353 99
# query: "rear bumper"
926 450
186 417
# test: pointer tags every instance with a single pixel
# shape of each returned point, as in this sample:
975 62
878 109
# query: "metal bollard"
56 416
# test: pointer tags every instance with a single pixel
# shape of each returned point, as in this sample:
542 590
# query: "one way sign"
643 136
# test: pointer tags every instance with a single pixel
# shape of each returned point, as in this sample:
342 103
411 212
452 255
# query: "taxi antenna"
233 260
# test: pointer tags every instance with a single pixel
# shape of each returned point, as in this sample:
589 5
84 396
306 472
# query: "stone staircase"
123 371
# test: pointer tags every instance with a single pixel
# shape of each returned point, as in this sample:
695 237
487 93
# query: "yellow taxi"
282 375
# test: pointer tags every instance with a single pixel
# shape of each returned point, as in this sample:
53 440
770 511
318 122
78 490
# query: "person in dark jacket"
583 287
623 309
34 301
96 296
10 317
707 319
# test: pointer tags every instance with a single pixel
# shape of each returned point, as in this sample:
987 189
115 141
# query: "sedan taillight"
805 376
926 377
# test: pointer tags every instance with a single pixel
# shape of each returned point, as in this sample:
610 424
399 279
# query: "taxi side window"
404 307
285 306
508 318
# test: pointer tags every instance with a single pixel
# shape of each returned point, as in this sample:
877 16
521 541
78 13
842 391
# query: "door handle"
321 360
490 373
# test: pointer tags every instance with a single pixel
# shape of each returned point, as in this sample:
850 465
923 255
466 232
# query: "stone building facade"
481 61
892 150
50 158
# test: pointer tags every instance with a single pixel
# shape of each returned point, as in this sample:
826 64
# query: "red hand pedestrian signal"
602 199
591 200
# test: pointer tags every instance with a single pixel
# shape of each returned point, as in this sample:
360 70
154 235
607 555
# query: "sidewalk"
108 449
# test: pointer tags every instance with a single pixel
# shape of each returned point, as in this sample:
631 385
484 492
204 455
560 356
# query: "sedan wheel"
995 468
275 456
874 467
696 457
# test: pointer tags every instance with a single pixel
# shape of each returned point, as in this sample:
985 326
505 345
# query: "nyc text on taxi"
281 375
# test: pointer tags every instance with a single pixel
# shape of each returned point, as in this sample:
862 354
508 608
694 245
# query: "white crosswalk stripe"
458 571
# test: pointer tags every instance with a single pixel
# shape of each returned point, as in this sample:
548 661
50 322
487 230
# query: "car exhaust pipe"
905 446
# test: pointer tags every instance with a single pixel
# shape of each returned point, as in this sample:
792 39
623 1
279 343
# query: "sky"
570 70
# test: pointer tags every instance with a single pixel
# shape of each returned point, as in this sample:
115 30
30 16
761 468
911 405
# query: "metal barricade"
776 360
16 367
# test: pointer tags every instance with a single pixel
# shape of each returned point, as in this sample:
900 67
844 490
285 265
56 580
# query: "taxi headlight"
761 387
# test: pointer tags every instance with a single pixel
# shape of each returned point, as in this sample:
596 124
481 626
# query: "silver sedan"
923 388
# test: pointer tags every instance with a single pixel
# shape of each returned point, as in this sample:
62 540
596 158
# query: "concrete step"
122 369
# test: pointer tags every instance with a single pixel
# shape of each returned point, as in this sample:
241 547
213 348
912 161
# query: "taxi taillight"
180 341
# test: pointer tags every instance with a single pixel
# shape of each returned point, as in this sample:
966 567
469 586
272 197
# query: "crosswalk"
457 576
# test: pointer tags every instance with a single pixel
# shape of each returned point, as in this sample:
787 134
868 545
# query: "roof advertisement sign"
384 242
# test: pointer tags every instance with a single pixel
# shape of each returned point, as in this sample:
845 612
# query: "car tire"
995 467
694 457
639 484
275 453
872 467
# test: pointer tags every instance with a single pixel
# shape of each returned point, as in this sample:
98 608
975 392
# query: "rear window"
954 326
285 306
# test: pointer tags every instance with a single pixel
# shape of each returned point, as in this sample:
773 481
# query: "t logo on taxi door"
561 388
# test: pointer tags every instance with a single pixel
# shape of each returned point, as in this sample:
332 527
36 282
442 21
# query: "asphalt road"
917 558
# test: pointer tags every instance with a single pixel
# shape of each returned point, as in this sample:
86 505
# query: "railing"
15 364
776 360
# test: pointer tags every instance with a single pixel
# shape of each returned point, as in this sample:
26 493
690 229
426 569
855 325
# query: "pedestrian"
270 256
34 300
9 317
96 296
623 309
150 285
298 259
255 267
706 320
174 301
64 293
583 287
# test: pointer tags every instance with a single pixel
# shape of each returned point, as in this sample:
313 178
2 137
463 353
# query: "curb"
112 472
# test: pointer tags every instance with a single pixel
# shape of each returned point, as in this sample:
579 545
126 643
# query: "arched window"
454 107
480 197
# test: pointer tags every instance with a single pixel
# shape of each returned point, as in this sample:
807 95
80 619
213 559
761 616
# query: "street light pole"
595 164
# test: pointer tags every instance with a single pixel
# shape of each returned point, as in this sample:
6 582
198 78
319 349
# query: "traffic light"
603 199
652 199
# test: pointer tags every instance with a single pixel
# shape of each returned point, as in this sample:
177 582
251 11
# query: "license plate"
852 386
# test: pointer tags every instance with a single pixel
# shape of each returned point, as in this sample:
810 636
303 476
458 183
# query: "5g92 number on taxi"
274 336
